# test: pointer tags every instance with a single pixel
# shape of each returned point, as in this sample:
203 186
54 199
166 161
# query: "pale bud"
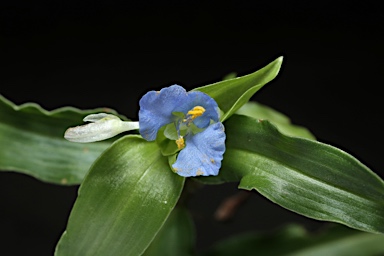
103 126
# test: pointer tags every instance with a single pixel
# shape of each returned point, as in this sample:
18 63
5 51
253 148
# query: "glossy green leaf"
33 143
308 177
295 240
233 93
281 121
123 201
176 237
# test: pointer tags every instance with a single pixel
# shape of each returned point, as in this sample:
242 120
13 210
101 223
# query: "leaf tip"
279 61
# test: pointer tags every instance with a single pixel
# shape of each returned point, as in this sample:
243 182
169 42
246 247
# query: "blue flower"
195 119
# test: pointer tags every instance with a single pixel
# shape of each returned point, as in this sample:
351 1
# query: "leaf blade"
123 201
233 93
281 121
305 176
35 135
176 237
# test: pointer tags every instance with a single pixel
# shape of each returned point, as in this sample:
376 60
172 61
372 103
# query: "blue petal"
203 153
205 101
156 109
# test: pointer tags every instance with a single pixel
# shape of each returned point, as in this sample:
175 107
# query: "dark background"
109 53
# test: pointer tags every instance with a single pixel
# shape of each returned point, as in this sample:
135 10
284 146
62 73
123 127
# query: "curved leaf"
281 121
176 237
308 177
33 142
123 201
233 93
294 240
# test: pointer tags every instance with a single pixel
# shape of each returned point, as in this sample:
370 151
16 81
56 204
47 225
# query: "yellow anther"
180 142
196 111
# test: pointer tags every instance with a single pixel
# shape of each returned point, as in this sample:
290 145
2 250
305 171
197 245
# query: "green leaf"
281 121
308 177
233 93
294 240
36 136
176 237
124 200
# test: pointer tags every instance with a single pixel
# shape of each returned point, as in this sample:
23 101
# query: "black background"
109 53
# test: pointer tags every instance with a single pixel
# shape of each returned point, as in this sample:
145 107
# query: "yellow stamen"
180 142
196 112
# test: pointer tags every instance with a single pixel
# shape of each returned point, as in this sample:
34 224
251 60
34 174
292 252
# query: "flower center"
184 124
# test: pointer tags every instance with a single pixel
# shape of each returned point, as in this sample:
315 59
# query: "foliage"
129 200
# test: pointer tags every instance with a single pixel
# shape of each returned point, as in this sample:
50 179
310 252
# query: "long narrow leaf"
281 121
124 200
233 93
32 142
308 177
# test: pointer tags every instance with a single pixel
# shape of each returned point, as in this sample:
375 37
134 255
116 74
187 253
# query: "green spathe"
123 201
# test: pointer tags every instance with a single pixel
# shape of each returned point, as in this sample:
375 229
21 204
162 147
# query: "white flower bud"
103 126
